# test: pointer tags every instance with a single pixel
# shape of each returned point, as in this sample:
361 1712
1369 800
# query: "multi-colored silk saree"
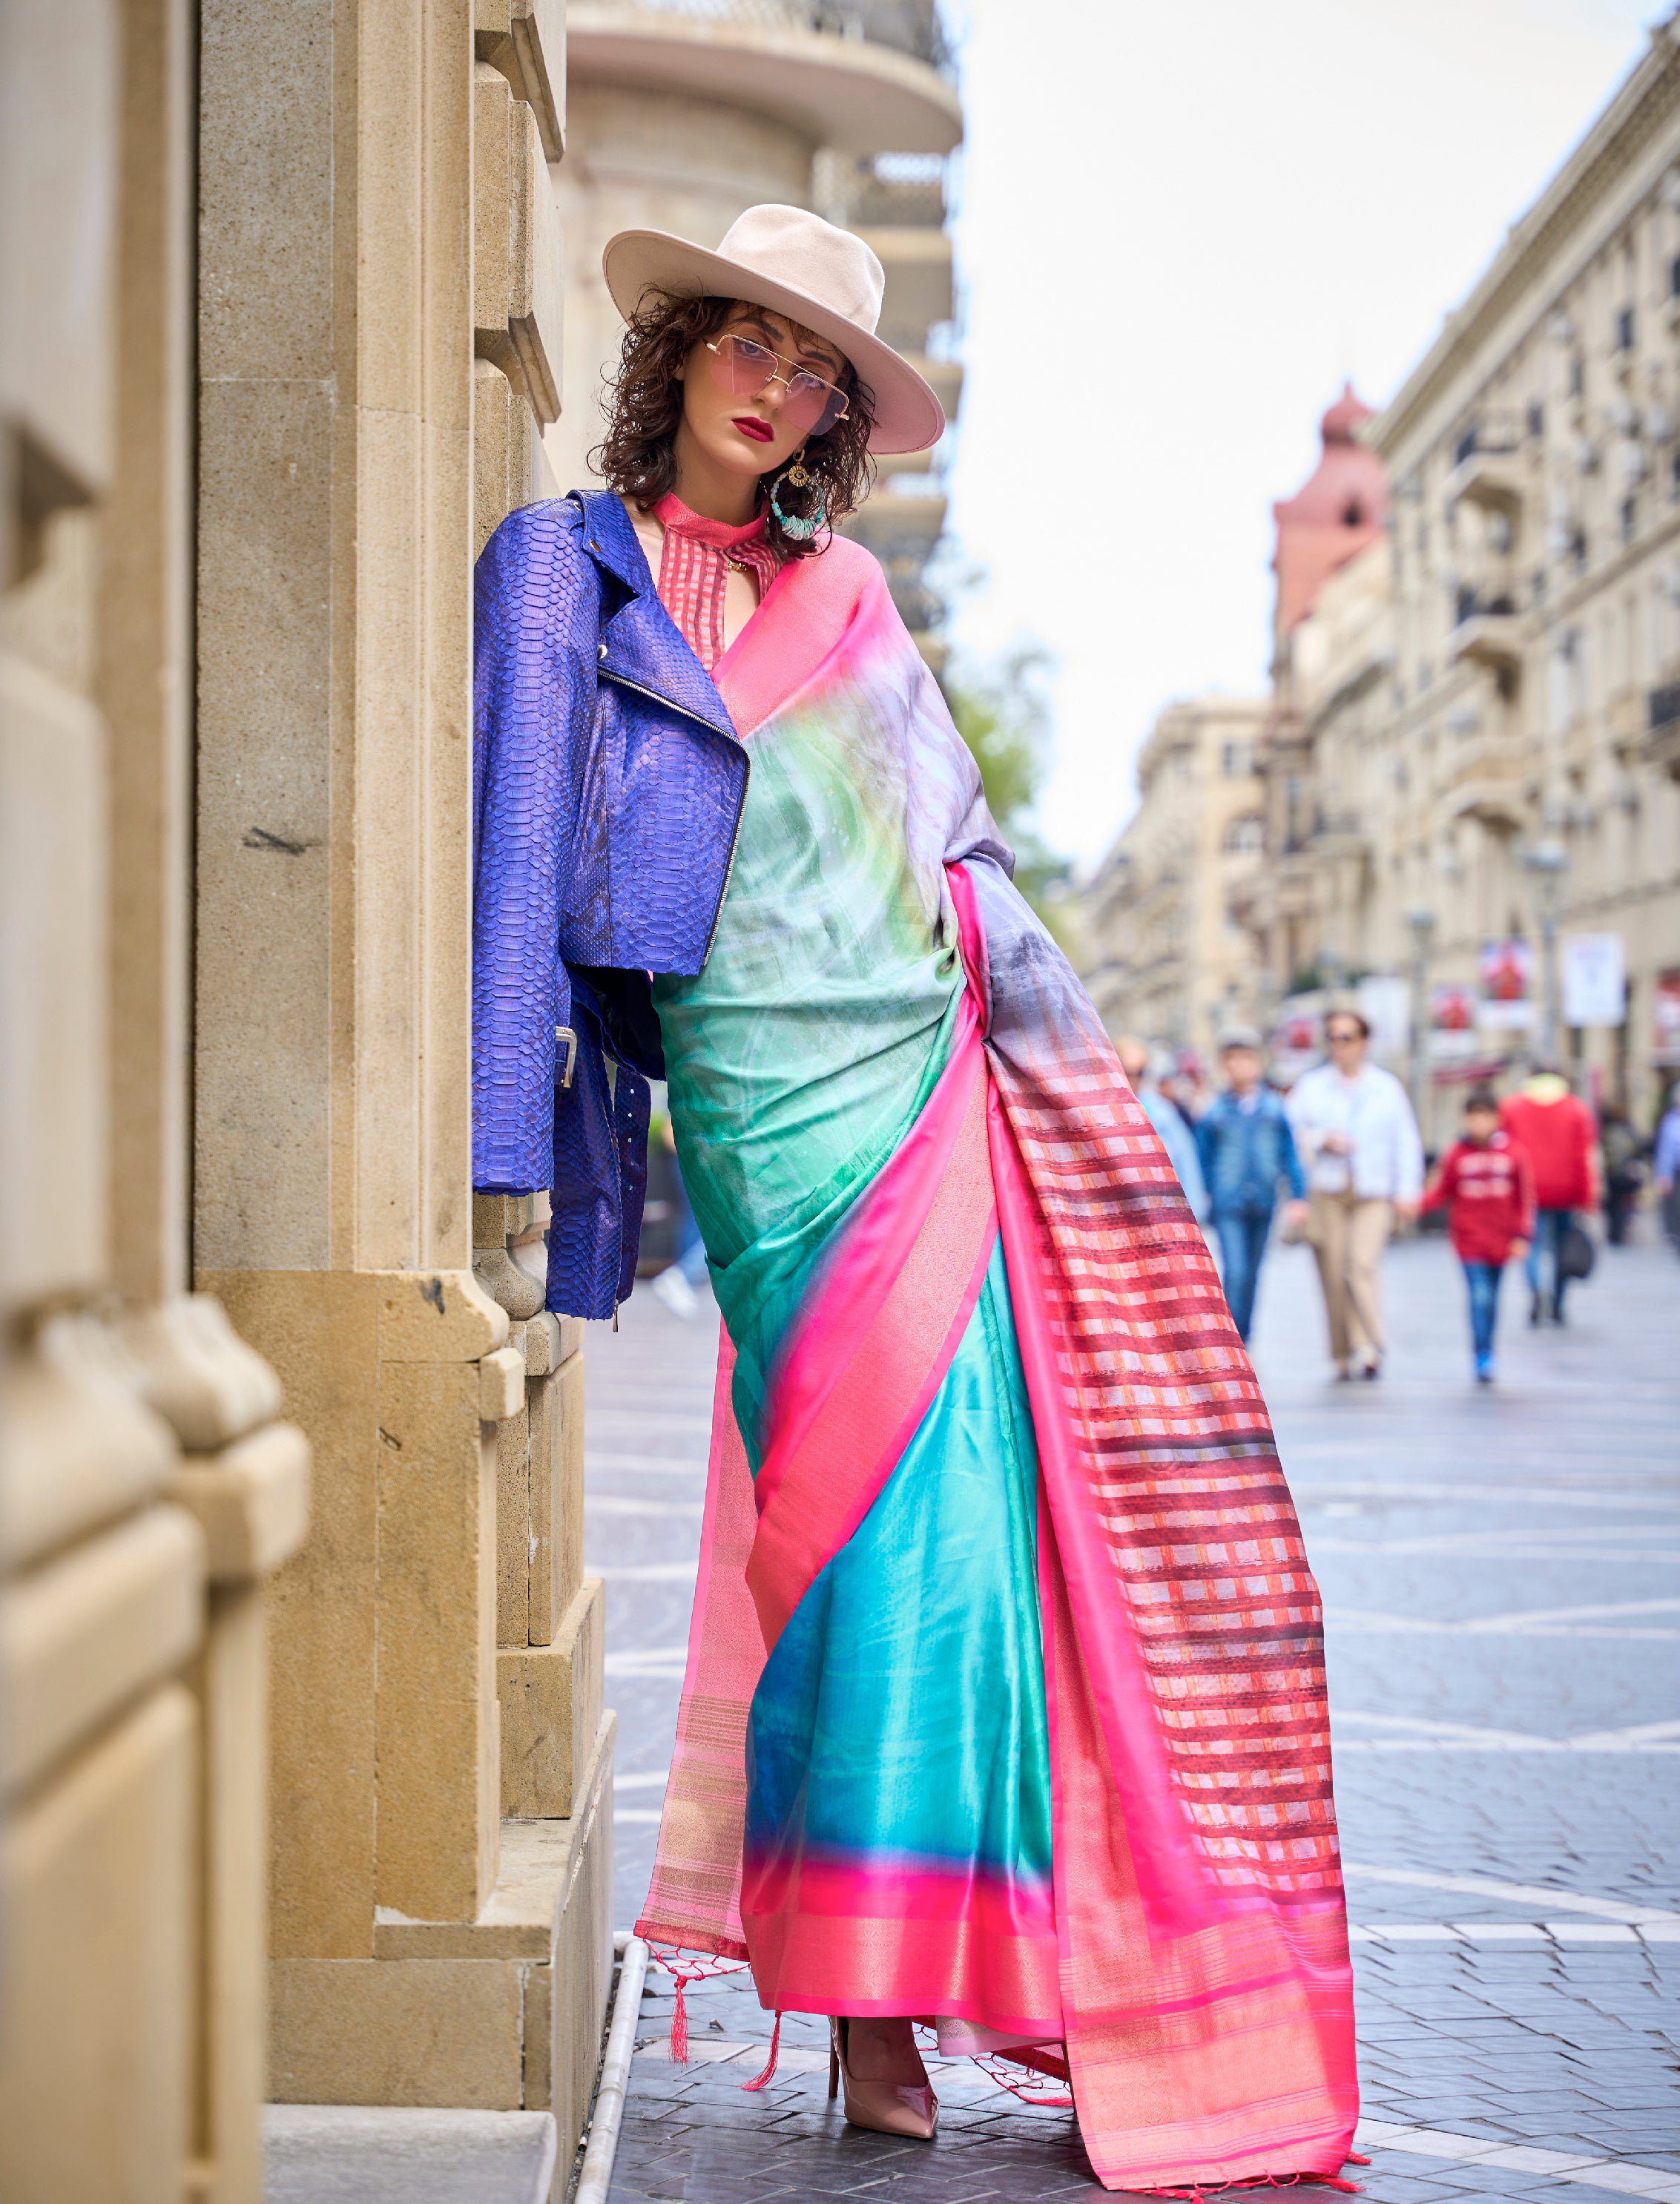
1004 1702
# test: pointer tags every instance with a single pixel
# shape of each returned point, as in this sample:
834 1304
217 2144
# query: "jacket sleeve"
1408 1148
1300 1110
1207 1143
1193 1179
1289 1157
535 613
1443 1183
1589 1152
1525 1192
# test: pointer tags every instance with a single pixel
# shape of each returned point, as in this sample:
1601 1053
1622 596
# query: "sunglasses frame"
734 337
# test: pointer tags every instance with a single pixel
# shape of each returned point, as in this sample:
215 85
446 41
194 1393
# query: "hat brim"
909 418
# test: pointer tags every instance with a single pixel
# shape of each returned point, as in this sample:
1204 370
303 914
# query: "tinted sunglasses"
811 405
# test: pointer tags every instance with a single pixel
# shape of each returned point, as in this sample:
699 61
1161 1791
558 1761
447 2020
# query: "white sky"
1183 222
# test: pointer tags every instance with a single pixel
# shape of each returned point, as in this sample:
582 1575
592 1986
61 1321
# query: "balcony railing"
1662 744
1497 433
887 191
1483 604
908 26
1490 476
1493 640
900 201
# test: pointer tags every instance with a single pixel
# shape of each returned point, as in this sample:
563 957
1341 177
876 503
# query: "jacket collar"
610 541
641 643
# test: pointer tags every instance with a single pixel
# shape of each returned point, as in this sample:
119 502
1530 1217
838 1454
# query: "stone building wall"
245 470
147 1490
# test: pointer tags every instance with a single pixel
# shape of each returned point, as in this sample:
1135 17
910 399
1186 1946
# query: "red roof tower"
1338 510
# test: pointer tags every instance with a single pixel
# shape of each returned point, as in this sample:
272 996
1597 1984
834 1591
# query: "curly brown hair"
636 459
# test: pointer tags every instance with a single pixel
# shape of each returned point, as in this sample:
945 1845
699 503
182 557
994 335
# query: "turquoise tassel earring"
797 476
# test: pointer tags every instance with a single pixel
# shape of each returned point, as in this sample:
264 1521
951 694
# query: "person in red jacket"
1486 1186
1557 1132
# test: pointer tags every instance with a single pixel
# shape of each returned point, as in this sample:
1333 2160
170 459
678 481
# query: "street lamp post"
1420 924
1548 860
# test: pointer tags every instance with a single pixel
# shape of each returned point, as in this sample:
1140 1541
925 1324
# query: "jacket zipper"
654 697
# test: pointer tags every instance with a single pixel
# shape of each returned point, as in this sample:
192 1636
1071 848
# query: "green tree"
1002 713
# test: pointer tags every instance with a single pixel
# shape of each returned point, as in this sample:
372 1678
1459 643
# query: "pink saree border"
875 1340
856 1275
812 608
967 1944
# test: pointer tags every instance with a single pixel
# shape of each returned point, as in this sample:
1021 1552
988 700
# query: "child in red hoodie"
1486 1186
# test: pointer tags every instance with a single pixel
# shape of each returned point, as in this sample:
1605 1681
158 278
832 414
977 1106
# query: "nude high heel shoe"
886 2108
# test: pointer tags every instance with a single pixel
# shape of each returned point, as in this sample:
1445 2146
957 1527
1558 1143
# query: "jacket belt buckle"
565 1033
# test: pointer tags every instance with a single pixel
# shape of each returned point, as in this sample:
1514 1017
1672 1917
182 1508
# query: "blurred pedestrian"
1666 1168
1623 1153
1247 1151
1169 1121
1556 1128
1486 1185
1179 1087
1358 1142
678 1286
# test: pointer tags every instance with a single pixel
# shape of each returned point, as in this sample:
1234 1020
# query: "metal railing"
1483 604
892 203
1496 434
891 191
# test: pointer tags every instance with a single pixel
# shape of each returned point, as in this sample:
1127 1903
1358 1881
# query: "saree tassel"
775 2052
679 2026
1199 2195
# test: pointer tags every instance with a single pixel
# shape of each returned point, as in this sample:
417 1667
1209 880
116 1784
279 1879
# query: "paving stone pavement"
1498 1570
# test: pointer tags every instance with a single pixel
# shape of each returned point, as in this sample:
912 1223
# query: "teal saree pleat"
897 1855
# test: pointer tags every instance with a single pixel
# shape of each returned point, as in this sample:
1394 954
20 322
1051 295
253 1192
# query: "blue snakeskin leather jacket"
607 789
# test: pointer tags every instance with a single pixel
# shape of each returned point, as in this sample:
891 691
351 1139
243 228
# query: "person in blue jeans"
1176 1132
1486 1184
1247 1151
678 1286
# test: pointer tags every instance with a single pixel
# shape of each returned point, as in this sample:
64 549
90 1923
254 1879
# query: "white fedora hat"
799 265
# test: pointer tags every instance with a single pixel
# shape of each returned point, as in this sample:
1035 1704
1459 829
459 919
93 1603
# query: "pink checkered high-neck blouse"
693 571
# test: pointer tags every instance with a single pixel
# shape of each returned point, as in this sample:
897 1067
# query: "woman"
1005 1704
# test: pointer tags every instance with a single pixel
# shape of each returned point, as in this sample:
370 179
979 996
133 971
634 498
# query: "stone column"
146 1493
379 288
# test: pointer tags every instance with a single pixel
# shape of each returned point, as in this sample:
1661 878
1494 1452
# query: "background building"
1335 518
682 116
1162 952
1536 700
1472 764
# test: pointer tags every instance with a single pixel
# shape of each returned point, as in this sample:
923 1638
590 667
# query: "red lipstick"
750 425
